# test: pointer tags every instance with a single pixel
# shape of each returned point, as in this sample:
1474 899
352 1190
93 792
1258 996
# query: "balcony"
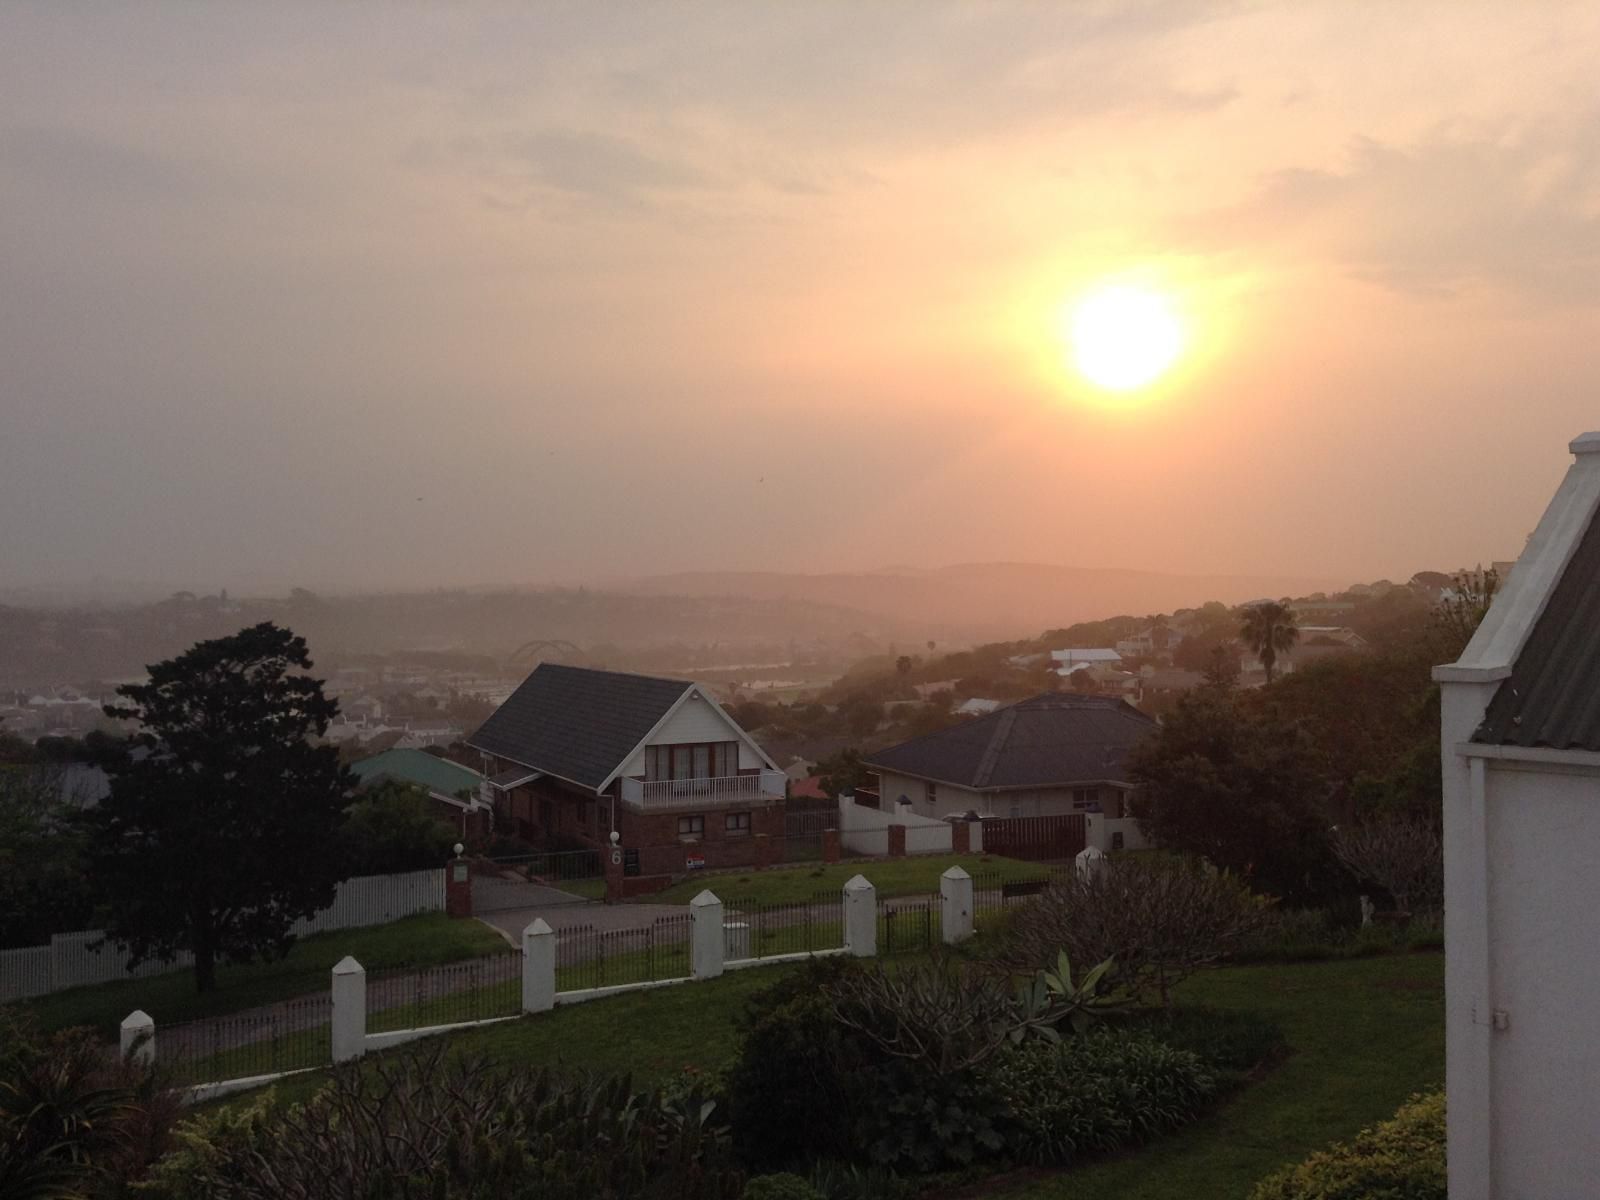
668 795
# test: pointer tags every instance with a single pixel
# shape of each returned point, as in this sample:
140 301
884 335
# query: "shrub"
1400 1159
845 1181
1099 1092
1232 1044
1159 917
797 1082
1314 935
74 1120
783 1186
421 1126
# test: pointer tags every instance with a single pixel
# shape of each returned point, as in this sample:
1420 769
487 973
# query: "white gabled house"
1521 763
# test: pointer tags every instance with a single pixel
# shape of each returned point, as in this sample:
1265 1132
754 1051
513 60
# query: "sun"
1124 337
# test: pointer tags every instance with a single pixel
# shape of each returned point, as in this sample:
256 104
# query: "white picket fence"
69 962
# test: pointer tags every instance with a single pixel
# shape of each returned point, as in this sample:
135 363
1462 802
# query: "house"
1053 755
457 792
1157 639
1068 661
977 706
574 755
1521 760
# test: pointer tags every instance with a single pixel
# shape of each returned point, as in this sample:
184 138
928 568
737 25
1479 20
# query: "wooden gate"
1034 838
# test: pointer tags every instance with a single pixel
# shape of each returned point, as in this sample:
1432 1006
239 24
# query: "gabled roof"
577 724
1054 739
421 768
1552 698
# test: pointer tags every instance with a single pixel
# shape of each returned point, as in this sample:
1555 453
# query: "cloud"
1460 209
76 162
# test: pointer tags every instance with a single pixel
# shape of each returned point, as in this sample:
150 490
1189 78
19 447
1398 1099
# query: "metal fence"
281 1037
908 925
473 990
799 927
993 893
587 957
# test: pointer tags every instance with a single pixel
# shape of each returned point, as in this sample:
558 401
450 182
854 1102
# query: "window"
691 760
736 823
930 795
691 826
1083 798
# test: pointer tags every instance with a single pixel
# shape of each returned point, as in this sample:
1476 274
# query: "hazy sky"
344 295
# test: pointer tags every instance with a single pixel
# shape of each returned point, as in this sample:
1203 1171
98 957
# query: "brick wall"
662 851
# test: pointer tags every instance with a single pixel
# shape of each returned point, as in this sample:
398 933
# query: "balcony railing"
664 795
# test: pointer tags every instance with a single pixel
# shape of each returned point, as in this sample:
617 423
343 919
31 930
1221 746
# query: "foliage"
1269 630
1232 1044
842 773
1458 616
1402 1158
782 1186
75 1121
42 874
1159 918
392 827
796 1083
427 1126
1402 855
1318 935
847 1181
225 832
1101 1092
1236 784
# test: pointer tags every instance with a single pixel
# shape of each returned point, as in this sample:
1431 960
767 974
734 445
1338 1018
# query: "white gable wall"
696 721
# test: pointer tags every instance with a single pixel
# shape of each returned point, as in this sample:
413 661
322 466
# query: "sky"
356 296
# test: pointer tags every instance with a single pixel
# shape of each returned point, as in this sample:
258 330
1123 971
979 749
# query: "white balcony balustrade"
666 795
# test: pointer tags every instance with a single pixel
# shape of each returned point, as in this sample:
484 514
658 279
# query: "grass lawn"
1364 1034
413 942
797 885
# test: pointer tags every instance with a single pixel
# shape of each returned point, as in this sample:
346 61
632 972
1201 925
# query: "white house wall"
1544 925
697 721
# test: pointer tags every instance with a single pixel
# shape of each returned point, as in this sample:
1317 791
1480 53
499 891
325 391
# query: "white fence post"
861 918
349 1010
138 1025
706 949
955 905
538 967
1090 862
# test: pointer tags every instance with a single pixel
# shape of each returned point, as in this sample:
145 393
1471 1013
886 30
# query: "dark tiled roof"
1552 698
513 776
1056 738
577 724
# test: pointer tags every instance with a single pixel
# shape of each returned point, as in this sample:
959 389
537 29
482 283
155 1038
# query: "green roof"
419 767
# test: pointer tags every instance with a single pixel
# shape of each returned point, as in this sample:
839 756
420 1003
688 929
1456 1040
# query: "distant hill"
987 601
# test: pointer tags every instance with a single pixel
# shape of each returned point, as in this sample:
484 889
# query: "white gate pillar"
861 918
138 1039
349 1010
707 944
538 967
955 905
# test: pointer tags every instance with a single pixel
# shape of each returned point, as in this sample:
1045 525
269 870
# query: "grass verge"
419 941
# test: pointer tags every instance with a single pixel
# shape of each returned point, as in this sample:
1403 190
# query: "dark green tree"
225 831
1231 782
842 773
393 826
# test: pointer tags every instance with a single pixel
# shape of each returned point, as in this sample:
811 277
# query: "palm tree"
1269 630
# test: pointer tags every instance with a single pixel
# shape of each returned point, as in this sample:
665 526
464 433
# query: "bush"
1400 1159
1161 918
1099 1092
783 1186
421 1126
74 1120
392 827
1315 935
1231 1044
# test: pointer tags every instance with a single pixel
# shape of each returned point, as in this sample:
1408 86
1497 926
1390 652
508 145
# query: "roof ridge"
991 753
685 683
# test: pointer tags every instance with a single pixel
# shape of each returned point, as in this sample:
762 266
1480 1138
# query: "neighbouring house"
1068 661
1161 681
1521 761
458 792
977 706
1054 755
574 755
1157 639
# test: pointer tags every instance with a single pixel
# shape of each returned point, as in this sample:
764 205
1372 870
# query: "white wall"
696 721
950 798
1544 966
866 830
1099 828
1032 802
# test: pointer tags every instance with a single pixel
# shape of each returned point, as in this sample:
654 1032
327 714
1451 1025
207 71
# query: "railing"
661 795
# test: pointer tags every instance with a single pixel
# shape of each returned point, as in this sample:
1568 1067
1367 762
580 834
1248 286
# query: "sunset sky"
344 296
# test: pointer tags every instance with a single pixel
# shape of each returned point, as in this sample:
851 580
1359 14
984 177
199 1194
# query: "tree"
393 826
1234 783
842 773
225 831
1269 631
1401 854
43 884
1222 667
